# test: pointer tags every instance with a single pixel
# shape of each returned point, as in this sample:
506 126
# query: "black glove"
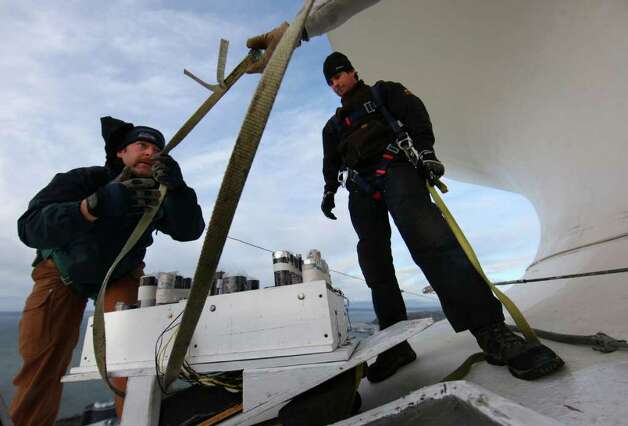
432 168
167 172
328 204
117 199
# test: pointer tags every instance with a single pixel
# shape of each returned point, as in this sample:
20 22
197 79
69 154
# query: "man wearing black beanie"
78 224
380 145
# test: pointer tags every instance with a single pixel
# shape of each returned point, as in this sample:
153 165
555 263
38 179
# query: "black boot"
389 361
525 361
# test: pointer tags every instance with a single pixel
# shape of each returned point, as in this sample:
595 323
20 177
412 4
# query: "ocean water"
78 395
75 395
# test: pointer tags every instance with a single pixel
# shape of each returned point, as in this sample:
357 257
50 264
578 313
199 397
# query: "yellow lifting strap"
516 314
231 189
510 306
99 332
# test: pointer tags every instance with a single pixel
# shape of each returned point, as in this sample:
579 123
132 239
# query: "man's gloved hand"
327 205
433 168
167 172
267 41
118 199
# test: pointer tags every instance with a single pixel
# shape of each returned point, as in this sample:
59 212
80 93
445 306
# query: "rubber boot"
389 361
524 360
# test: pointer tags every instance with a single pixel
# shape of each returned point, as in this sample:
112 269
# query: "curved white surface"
531 97
527 96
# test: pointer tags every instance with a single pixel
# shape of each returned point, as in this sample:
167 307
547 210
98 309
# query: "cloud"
69 65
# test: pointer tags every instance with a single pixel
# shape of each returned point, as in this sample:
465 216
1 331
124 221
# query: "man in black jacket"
361 149
78 224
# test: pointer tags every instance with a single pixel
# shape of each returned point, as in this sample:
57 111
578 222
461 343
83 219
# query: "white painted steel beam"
142 403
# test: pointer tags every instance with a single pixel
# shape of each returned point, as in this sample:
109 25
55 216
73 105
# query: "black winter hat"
118 134
335 63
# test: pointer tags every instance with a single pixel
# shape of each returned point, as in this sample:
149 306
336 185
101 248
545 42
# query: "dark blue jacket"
87 249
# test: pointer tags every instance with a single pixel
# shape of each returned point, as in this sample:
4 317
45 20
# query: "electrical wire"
270 251
160 350
230 381
331 270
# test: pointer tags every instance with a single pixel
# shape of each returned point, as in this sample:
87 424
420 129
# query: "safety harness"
403 143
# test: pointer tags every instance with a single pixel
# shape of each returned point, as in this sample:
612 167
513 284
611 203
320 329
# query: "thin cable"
347 275
270 251
250 244
417 294
159 349
564 277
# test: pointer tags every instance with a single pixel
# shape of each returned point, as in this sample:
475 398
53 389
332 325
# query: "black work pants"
466 299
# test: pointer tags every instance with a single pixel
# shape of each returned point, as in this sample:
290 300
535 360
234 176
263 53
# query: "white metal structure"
267 323
529 97
256 334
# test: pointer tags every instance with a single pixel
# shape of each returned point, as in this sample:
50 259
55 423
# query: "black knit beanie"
118 134
335 63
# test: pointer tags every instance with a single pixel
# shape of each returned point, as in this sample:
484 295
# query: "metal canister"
187 283
298 269
121 306
147 291
217 284
233 284
180 290
165 288
282 267
252 284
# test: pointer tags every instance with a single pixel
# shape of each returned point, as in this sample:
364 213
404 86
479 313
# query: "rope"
505 300
231 189
464 368
564 277
99 332
600 342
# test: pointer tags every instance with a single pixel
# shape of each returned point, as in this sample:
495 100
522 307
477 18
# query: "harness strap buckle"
370 107
404 142
392 148
343 177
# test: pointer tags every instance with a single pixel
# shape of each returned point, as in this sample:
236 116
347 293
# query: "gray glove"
118 199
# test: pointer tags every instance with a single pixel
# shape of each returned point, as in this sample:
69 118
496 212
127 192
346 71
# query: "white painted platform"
369 348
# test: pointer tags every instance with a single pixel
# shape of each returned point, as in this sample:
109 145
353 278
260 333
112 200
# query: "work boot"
524 360
389 361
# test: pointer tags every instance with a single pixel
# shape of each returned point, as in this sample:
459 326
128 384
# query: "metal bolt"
301 296
212 308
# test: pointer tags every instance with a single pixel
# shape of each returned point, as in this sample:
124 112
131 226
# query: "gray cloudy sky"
65 64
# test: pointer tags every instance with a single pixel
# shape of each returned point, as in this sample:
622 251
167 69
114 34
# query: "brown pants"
49 331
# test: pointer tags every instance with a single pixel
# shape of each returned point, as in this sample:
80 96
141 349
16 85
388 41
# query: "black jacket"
87 249
402 104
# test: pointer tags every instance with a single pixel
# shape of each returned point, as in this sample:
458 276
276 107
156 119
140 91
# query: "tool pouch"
365 143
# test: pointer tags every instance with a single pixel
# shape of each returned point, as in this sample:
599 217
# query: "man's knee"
376 262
